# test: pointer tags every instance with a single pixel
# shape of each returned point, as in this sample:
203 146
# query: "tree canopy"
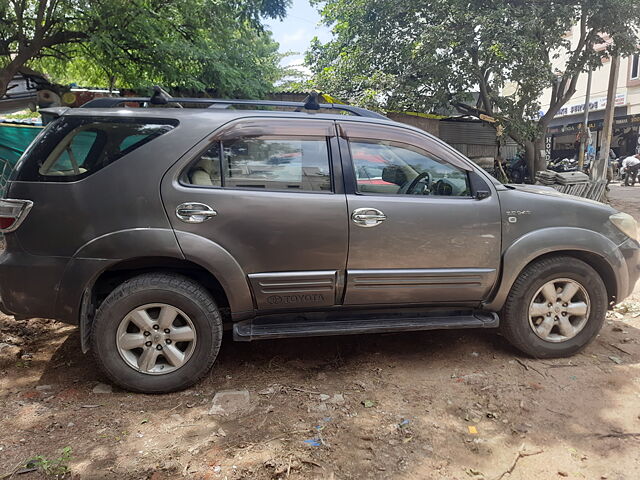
415 55
216 44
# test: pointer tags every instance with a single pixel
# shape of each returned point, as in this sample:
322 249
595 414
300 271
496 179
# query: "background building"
562 134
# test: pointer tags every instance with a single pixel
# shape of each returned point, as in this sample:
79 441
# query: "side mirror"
479 186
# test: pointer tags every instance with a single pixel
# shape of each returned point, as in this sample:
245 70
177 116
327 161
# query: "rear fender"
96 256
224 267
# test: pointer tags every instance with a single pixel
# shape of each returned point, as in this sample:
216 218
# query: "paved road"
626 199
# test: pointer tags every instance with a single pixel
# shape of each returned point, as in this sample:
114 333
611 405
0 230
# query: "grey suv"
153 229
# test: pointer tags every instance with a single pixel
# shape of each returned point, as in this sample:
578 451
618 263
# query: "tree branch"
468 109
64 37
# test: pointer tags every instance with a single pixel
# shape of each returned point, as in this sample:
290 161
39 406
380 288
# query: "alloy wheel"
156 338
559 310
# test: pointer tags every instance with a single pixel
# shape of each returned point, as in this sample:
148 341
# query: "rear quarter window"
72 148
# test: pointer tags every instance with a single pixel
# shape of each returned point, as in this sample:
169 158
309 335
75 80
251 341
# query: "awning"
14 140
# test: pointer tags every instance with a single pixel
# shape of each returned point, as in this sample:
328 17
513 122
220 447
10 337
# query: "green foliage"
21 115
57 467
189 44
420 56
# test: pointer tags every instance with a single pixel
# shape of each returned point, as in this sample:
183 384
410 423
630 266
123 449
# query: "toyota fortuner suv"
153 229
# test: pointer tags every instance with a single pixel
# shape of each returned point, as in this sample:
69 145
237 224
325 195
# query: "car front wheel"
555 308
156 333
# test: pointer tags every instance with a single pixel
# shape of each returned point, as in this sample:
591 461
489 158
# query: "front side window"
393 168
269 163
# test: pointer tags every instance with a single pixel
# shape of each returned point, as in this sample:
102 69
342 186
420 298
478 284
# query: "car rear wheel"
555 308
157 333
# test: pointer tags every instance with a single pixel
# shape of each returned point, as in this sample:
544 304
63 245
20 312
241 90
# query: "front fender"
555 239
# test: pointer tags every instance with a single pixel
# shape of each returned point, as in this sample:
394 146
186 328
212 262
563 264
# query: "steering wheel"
414 183
443 188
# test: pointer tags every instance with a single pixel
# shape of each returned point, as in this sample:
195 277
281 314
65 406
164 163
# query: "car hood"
550 192
527 208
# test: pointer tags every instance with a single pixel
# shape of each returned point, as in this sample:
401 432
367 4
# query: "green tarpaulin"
14 139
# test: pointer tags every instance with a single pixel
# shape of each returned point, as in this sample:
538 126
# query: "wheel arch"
123 270
595 261
117 273
591 247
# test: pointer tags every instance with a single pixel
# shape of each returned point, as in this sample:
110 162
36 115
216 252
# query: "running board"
267 328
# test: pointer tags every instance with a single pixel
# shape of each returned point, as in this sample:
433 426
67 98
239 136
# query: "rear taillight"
13 213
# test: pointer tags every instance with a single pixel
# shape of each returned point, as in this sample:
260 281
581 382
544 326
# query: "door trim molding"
283 290
409 285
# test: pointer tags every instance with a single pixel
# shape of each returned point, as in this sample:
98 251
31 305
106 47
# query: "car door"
424 227
269 191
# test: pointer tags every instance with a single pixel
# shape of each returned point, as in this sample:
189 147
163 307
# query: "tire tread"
510 311
176 283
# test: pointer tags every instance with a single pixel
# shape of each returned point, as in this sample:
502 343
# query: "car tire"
196 330
539 327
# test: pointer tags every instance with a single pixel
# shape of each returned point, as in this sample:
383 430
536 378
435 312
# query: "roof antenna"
311 102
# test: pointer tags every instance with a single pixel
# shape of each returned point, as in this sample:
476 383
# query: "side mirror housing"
479 186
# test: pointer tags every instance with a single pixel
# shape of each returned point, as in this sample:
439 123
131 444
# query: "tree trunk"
530 156
535 160
540 162
5 77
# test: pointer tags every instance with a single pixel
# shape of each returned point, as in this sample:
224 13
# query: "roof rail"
308 104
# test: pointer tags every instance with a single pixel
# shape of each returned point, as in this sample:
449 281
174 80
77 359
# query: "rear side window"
298 163
72 148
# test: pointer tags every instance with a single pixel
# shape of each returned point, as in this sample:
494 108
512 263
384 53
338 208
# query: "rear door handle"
194 212
367 217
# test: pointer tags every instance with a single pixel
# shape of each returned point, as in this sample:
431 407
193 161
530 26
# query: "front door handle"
194 212
367 217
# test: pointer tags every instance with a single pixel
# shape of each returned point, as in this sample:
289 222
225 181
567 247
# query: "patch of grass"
56 467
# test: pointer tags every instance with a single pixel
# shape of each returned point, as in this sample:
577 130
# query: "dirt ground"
430 405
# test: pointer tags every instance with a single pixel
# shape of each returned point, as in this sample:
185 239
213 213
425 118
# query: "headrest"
394 174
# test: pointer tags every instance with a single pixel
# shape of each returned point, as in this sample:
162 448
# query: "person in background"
610 160
631 165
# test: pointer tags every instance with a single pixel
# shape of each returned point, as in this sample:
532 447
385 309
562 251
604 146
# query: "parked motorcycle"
562 165
516 169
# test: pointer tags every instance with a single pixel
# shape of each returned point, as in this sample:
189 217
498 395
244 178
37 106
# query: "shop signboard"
597 103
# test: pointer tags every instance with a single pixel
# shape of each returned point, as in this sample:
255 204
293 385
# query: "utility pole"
585 125
599 171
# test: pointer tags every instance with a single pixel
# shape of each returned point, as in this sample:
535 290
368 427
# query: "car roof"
220 116
224 114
